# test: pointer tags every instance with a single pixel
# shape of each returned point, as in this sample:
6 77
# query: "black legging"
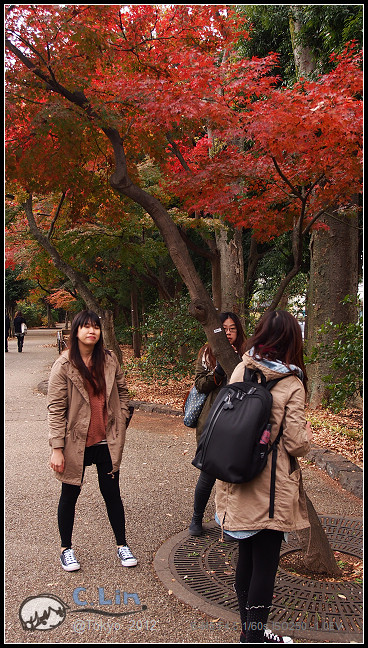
202 493
110 490
255 579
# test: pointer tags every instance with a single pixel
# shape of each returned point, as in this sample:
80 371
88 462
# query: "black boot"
202 494
196 528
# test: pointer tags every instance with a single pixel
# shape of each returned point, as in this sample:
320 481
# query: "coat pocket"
293 464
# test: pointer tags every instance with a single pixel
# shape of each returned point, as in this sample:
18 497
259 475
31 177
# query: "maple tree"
156 80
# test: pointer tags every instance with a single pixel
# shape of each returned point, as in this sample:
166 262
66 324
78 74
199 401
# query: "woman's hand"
57 461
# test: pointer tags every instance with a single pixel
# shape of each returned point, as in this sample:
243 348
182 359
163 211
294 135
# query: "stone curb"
344 471
349 475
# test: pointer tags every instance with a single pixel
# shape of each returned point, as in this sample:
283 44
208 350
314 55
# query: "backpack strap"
273 449
272 383
251 374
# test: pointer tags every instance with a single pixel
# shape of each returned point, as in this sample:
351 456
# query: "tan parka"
69 414
243 507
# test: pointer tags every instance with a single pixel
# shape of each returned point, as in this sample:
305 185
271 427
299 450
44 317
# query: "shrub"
172 341
345 357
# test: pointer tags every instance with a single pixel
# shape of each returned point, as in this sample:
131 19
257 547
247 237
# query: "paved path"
157 484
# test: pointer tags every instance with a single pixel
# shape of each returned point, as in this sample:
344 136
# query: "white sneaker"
69 561
126 557
271 637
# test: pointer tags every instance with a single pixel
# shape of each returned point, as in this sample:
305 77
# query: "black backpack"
230 447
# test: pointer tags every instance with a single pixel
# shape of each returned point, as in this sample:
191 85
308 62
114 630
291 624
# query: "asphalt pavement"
105 602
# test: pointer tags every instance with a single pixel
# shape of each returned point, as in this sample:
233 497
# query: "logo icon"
42 612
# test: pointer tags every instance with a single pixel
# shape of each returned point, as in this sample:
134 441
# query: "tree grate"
302 607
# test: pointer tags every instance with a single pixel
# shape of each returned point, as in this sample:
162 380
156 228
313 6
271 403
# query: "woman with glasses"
209 377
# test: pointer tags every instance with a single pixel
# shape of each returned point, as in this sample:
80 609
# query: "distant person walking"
7 330
20 328
87 414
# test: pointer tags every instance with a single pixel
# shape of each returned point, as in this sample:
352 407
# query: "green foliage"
325 29
32 313
272 268
15 289
173 339
345 357
269 33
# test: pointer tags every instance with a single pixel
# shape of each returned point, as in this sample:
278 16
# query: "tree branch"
50 232
285 179
177 153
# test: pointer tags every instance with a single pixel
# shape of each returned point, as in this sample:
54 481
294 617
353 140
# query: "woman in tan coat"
276 348
209 377
87 416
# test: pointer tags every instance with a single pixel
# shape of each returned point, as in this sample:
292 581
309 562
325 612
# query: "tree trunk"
254 258
216 279
50 321
213 255
303 56
230 245
333 276
108 330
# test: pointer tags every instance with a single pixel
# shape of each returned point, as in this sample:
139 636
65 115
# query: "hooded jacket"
245 507
69 414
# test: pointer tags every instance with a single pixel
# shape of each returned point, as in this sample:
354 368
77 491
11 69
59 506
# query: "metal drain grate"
206 567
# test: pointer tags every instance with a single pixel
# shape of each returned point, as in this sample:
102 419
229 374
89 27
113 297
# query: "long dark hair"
95 376
278 336
240 342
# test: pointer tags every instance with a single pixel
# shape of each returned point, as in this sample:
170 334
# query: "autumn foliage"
230 140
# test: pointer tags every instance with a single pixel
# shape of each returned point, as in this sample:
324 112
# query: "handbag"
193 406
23 328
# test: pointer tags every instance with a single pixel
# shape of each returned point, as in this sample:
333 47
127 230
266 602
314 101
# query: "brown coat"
69 414
245 506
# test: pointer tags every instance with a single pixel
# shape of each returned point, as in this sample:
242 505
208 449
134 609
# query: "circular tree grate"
203 570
